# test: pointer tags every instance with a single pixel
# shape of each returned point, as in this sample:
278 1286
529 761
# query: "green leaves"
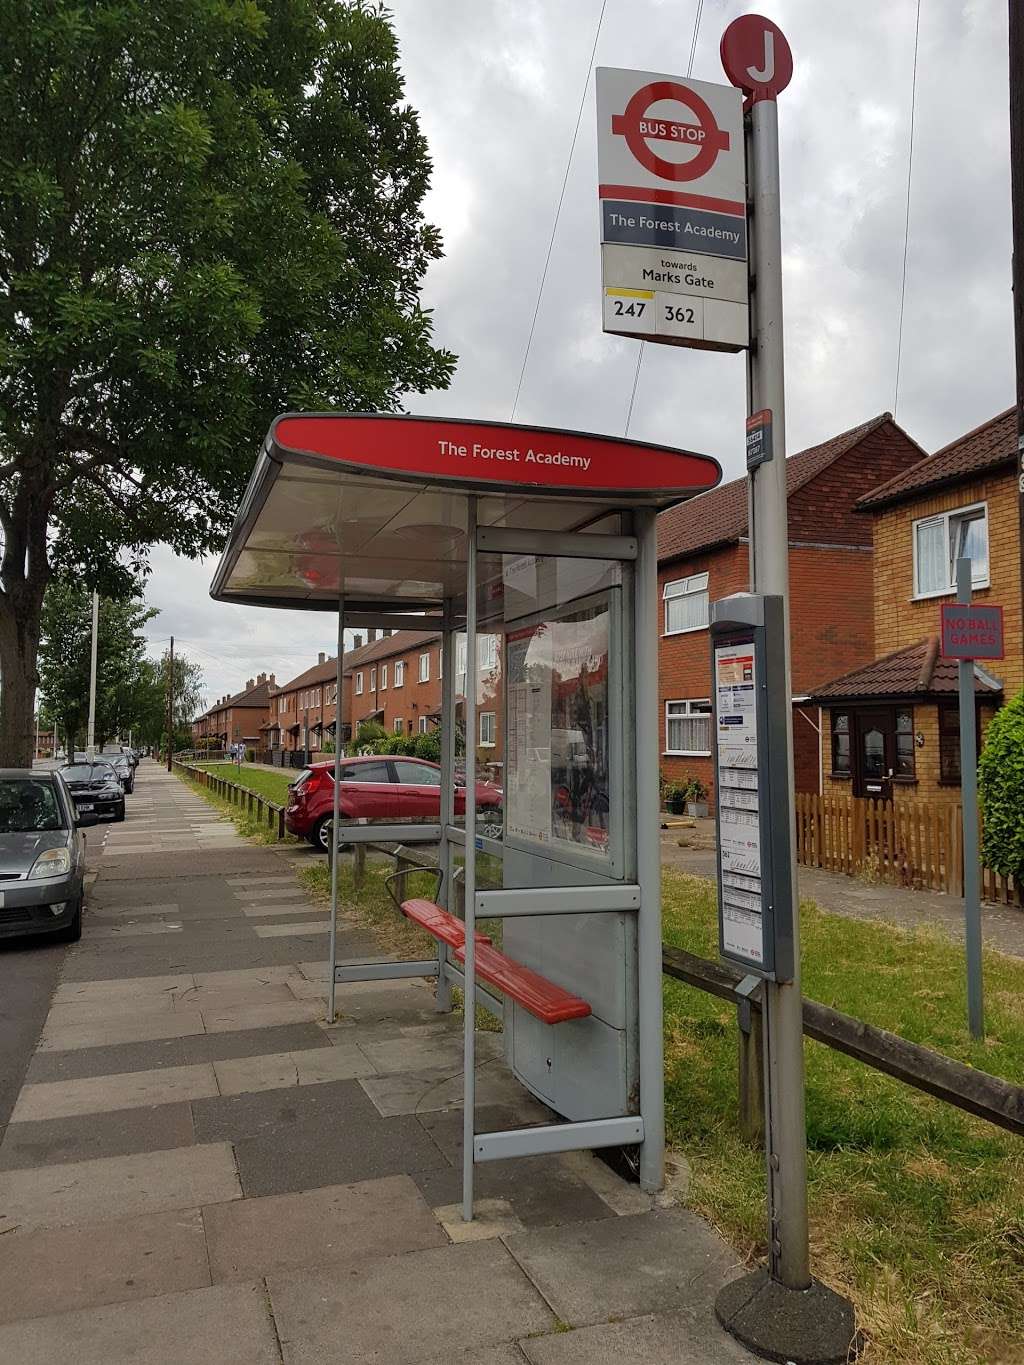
1001 791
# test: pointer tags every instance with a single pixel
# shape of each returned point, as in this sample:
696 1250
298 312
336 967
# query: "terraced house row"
876 525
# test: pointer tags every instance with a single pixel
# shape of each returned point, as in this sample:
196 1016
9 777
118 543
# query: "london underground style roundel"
496 454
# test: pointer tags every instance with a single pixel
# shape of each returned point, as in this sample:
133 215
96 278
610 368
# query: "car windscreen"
29 806
77 772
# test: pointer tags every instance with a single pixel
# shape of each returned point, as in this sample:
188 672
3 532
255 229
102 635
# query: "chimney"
321 658
261 677
273 680
371 635
357 642
250 682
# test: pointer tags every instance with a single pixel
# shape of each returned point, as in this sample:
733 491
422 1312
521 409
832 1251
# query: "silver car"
42 855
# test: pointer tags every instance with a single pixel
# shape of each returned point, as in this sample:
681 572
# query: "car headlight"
55 862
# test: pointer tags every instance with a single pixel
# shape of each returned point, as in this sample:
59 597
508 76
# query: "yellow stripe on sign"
631 293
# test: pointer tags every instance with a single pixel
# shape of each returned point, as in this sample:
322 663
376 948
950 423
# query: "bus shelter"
539 545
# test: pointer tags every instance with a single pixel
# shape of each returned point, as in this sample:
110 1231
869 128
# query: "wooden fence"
915 844
266 813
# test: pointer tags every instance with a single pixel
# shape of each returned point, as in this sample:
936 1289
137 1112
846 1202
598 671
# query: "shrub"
429 746
1001 791
369 736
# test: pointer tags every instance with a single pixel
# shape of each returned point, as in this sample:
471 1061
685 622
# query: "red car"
373 788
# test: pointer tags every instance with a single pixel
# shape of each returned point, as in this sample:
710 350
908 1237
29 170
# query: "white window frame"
423 725
487 653
688 714
685 587
400 673
373 678
398 726
492 728
424 674
383 677
954 513
359 684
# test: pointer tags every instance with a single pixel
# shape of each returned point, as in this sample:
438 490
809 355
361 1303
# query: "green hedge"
1001 791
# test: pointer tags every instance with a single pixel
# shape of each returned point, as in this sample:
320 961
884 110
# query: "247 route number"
636 308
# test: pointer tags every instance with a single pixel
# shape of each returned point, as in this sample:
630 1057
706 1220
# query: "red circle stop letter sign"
757 57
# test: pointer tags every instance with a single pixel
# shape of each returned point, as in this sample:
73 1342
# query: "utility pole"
1017 205
170 706
91 739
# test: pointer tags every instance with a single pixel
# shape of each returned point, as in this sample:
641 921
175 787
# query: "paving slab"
313 1066
413 1051
80 1267
275 892
405 1309
264 911
88 1136
269 975
491 1218
305 929
226 1324
140 930
417 1092
275 879
696 1339
667 1259
128 1090
129 1028
337 1225
231 1018
117 1187
68 993
228 1118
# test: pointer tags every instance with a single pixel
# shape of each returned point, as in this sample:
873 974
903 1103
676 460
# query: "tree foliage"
1001 791
210 212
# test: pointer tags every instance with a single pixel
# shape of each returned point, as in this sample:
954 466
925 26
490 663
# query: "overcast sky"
498 84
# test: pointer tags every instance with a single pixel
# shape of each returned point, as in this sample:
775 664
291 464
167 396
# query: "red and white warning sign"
672 191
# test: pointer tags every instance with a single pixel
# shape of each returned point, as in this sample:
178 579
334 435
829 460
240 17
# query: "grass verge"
247 825
917 1209
273 786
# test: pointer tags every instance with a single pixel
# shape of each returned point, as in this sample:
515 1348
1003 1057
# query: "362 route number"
678 313
635 309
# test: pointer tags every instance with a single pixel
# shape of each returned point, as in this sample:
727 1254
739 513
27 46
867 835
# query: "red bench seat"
548 1002
438 922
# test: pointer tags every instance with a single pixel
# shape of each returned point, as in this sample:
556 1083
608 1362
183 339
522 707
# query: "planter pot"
697 809
676 805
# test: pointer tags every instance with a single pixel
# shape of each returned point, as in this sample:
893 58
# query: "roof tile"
986 447
916 670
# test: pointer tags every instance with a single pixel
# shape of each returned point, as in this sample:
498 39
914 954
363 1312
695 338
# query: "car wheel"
120 814
321 836
74 930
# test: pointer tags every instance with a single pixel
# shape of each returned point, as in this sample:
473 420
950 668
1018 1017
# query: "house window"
440 663
949 743
841 744
941 540
399 725
488 653
373 679
423 725
688 727
904 766
686 604
383 676
488 728
460 665
424 668
400 674
359 684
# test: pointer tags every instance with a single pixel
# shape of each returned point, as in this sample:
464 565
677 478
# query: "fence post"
358 865
280 823
751 1072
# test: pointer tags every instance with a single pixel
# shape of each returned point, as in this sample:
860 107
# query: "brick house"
703 555
237 717
892 727
394 680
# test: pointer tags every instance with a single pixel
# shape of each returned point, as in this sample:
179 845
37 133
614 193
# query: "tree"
65 660
150 699
1001 791
210 212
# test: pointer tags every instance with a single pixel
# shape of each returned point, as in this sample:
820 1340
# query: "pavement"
197 1168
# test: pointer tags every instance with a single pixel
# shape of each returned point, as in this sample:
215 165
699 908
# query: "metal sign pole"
469 979
969 806
781 1313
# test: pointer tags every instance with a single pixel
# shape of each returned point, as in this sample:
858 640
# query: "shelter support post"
648 856
446 859
969 806
469 989
339 732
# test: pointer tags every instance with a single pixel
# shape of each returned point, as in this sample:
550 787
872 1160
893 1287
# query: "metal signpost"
681 164
673 210
969 633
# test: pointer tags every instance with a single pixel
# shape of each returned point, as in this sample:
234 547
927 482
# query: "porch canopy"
374 507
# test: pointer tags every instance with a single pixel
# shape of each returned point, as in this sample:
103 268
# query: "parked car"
376 787
42 855
95 789
125 770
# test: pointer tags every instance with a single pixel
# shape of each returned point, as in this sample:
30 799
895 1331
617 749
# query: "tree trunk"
19 646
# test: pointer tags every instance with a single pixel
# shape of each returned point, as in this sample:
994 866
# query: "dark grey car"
42 855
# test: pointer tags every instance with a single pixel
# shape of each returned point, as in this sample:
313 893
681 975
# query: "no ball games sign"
672 192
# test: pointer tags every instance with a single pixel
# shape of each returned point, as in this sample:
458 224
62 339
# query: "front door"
874 754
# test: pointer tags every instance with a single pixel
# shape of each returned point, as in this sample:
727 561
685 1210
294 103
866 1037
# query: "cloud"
498 86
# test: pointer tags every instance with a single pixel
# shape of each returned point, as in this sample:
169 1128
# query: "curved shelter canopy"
375 507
